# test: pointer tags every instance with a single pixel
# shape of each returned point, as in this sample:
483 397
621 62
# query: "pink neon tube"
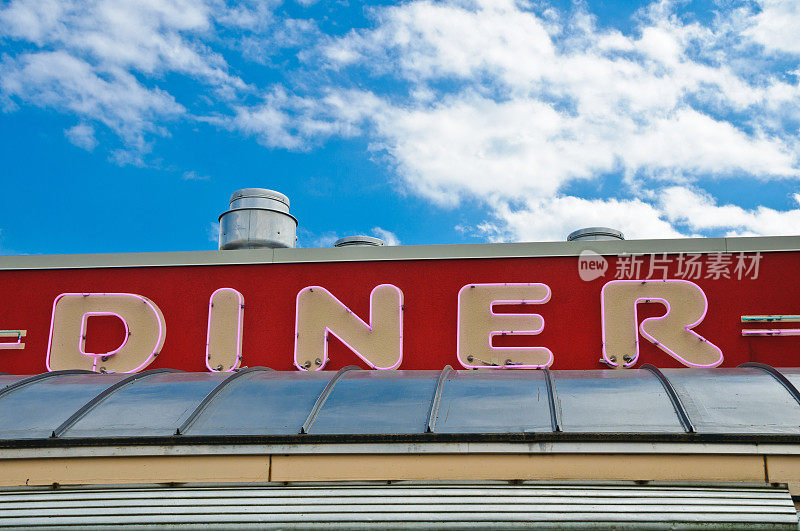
771 332
15 343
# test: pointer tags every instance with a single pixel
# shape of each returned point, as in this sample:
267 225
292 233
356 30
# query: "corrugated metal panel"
414 505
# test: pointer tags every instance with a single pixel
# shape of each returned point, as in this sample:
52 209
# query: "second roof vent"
359 241
595 233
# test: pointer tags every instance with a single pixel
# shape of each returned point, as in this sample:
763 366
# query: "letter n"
379 343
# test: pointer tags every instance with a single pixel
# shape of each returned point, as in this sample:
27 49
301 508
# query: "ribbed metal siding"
475 506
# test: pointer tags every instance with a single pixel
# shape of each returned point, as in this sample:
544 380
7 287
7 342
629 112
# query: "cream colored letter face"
685 305
144 324
379 343
224 342
478 323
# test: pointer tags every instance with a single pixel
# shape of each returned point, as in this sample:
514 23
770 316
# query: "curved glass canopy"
259 402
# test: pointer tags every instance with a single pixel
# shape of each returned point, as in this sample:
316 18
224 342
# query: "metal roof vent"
257 218
595 233
359 241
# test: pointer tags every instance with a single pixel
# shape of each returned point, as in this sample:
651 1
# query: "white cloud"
495 101
427 40
700 211
101 60
554 218
82 135
470 145
325 239
212 232
293 122
32 21
388 236
245 14
128 157
116 98
271 124
690 141
258 32
531 104
776 26
144 36
194 176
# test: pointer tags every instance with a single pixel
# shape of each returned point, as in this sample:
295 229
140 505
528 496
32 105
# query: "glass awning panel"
34 410
377 402
491 401
742 400
261 402
614 401
151 406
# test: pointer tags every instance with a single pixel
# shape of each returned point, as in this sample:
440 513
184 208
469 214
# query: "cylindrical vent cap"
359 241
259 198
595 233
257 218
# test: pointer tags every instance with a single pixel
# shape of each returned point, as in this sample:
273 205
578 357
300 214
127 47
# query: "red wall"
430 289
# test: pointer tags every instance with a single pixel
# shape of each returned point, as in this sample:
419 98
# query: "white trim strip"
404 252
407 448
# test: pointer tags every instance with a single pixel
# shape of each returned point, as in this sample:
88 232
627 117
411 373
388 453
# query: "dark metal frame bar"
683 416
111 441
433 412
91 404
775 373
38 377
213 393
323 396
555 413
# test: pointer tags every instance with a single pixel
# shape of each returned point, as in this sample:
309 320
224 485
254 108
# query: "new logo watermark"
591 265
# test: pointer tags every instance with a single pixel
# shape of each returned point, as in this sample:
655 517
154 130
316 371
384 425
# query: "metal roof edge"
403 252
144 259
537 442
177 447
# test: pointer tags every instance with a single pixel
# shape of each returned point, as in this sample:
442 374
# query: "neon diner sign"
378 341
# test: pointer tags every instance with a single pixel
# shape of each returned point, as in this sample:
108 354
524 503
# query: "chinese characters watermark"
685 266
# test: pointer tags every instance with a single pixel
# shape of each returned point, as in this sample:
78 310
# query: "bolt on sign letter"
685 305
145 331
379 343
224 341
478 324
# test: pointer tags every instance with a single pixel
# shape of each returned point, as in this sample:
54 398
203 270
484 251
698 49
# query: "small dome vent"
595 233
359 241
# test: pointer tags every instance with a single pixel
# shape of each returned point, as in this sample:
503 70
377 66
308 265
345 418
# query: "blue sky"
126 124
